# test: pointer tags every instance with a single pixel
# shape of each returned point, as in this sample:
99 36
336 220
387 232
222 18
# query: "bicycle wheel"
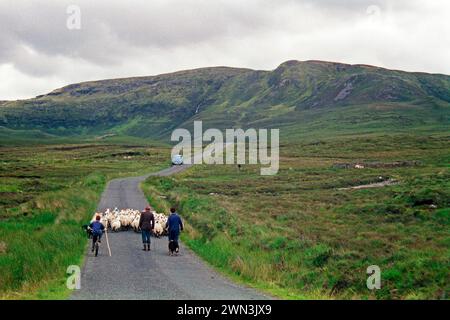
96 249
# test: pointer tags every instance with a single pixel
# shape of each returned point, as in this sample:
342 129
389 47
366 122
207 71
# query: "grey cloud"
123 38
108 24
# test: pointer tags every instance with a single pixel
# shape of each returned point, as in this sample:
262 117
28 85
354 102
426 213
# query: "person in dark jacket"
147 224
174 225
96 228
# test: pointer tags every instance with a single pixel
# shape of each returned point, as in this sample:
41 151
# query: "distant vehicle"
177 160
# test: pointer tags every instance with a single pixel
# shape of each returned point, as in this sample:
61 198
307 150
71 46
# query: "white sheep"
115 226
158 230
135 224
104 221
119 219
125 219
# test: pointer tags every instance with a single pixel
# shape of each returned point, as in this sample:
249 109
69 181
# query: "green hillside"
305 98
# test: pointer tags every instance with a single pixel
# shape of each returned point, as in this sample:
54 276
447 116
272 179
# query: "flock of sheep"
124 219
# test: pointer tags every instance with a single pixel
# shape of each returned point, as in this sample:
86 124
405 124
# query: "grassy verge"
297 235
48 192
41 245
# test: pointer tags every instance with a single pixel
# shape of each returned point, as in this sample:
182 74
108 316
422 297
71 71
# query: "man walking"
174 225
147 224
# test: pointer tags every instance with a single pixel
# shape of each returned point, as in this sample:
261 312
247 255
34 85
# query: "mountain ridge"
174 73
229 97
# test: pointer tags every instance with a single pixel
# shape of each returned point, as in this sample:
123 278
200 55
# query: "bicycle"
95 244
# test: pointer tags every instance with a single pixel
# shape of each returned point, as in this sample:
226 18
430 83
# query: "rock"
344 92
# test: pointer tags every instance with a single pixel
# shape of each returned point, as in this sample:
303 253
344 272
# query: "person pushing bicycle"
97 229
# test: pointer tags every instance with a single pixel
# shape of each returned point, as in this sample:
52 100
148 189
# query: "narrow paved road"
131 273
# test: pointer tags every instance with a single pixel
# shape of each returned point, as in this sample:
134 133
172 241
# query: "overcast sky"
118 38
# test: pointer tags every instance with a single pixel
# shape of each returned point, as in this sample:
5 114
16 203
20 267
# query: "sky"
46 44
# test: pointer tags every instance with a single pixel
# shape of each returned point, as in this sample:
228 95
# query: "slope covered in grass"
302 96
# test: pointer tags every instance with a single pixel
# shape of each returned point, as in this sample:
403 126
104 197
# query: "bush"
278 242
95 181
443 216
166 184
427 196
318 255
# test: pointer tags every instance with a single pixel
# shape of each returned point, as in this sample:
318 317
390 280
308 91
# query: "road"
131 273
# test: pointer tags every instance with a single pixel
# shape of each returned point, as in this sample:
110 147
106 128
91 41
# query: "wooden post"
107 241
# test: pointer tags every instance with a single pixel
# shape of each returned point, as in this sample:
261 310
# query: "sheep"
161 219
126 218
110 219
122 219
135 224
116 225
158 230
104 221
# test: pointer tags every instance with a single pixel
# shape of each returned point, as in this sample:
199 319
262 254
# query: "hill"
303 97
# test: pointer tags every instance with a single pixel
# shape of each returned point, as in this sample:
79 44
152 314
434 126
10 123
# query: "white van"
177 159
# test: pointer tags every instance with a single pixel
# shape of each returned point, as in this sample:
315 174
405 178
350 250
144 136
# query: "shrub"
318 255
427 196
